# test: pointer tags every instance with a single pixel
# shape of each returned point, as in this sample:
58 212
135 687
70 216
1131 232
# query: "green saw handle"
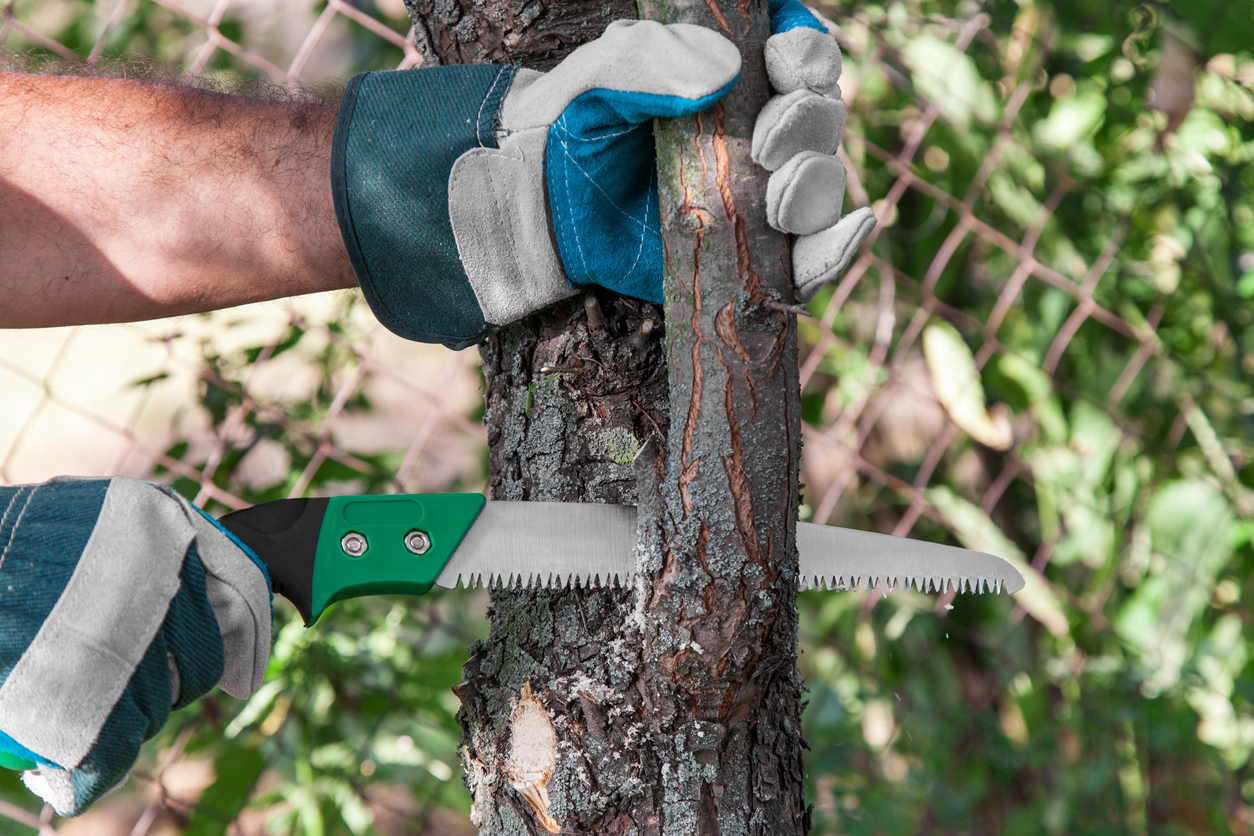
17 763
322 550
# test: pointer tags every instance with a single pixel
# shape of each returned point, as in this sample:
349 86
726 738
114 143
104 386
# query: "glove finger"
140 712
639 68
796 122
238 590
823 256
806 194
804 58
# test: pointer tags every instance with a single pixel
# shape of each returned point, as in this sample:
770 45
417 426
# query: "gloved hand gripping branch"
121 603
470 196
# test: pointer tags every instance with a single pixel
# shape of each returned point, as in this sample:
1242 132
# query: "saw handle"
320 551
284 534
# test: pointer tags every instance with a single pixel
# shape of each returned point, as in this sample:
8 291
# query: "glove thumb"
823 256
656 70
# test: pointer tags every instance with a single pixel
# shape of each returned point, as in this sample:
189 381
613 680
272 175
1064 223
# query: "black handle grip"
284 534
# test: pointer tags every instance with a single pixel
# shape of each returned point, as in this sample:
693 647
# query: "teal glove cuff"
397 137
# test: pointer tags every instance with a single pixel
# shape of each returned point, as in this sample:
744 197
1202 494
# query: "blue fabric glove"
121 602
470 196
787 15
444 178
601 168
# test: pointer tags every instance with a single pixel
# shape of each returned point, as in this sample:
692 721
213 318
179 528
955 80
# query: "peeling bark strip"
675 706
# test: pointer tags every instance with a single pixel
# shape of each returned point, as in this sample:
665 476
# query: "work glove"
795 138
470 196
121 601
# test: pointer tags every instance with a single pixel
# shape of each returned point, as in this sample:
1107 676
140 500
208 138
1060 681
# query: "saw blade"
549 543
574 543
845 558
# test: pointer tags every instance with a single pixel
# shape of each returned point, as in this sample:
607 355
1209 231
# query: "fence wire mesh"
1042 345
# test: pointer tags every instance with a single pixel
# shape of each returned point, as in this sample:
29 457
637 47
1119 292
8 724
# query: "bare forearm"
124 200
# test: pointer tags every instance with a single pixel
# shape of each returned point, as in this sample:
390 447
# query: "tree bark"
675 705
720 632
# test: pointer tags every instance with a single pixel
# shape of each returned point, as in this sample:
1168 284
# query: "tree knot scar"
532 755
744 266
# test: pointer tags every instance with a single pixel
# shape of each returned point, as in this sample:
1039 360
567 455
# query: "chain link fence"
1042 352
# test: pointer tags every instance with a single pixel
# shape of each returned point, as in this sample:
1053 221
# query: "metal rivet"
417 541
353 544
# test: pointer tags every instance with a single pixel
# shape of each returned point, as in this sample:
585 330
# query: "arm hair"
132 193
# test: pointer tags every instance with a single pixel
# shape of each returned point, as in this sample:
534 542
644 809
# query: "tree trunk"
675 705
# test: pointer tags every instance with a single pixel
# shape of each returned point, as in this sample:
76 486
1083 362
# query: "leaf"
1073 510
237 770
1039 390
958 387
950 79
1220 659
1089 46
141 382
258 704
976 531
353 810
1072 119
1219 25
1193 532
1015 200
1073 496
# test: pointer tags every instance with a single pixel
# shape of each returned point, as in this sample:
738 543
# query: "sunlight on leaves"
958 387
1192 533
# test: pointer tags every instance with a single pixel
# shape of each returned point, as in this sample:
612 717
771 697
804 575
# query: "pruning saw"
322 550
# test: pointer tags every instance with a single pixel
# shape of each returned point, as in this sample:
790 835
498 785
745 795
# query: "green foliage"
235 770
1114 695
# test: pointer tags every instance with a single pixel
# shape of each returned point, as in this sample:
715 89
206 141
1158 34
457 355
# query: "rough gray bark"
675 705
536 33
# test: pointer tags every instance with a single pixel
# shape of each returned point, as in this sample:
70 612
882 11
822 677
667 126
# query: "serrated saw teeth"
833 583
926 585
535 580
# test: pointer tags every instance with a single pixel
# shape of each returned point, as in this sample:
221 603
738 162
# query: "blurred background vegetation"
1045 353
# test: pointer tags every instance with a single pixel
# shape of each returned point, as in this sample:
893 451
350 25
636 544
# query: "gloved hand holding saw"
470 196
121 602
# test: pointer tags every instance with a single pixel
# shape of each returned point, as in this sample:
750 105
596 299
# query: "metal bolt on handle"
418 542
353 544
